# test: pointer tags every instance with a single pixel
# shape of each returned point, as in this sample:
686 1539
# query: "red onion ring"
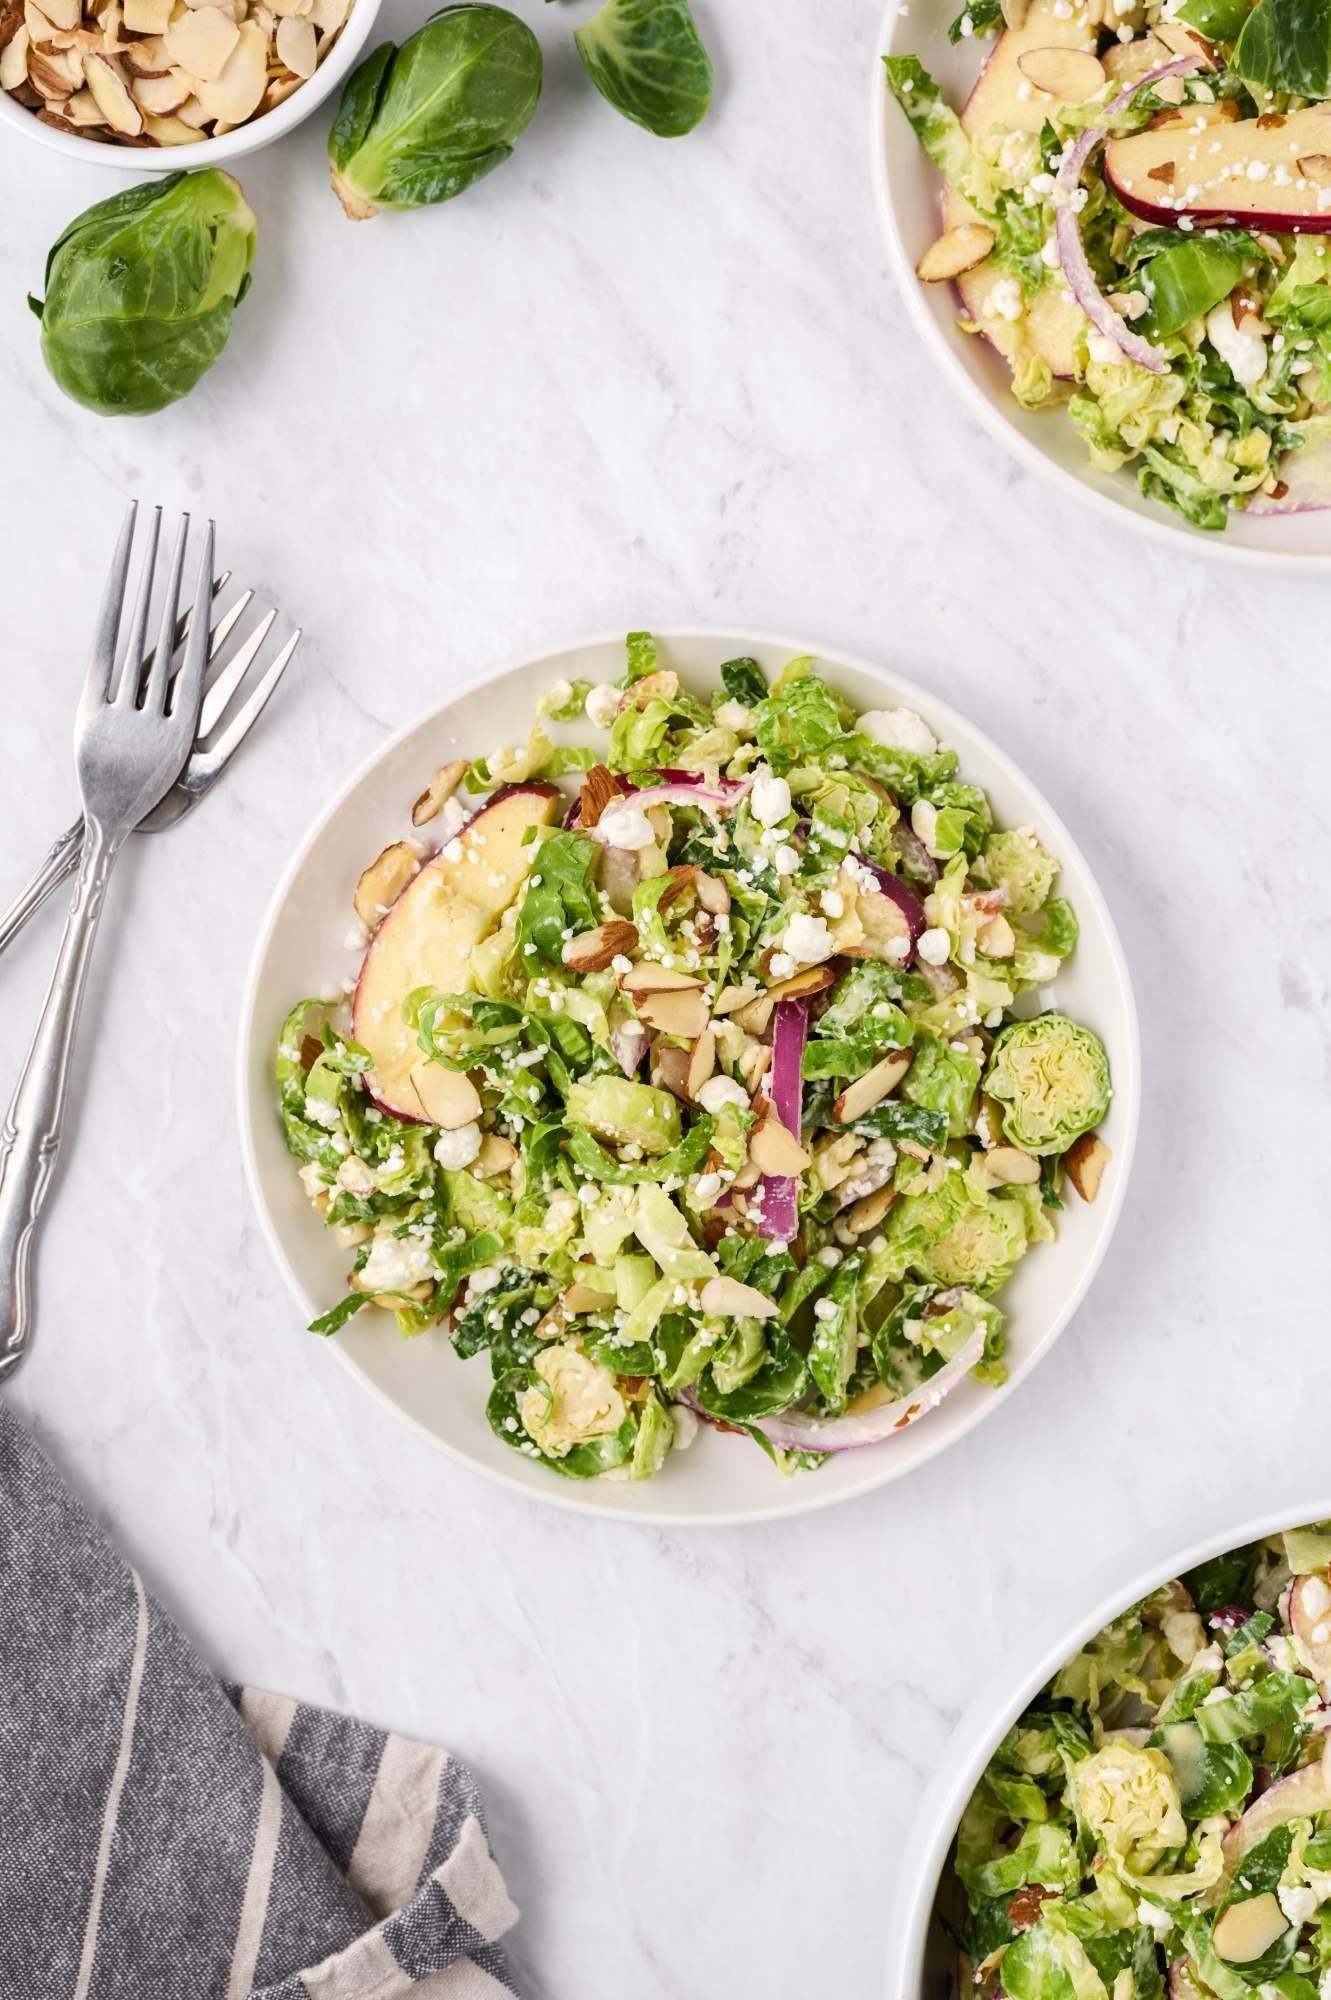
794 1430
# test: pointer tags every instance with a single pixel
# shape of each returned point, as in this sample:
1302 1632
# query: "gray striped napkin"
165 1838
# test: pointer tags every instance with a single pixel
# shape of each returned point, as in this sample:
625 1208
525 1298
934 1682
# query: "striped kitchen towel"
165 1838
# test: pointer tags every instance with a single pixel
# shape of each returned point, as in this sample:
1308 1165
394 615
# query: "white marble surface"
625 382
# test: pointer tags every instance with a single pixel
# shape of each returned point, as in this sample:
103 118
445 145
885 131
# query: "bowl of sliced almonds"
197 81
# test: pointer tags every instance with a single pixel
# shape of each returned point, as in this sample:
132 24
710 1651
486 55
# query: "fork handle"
59 863
30 1135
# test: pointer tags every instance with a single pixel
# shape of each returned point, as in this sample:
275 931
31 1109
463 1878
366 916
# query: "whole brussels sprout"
420 123
140 291
1052 1078
1017 862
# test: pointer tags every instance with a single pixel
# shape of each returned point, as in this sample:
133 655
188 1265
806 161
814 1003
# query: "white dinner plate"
908 192
300 952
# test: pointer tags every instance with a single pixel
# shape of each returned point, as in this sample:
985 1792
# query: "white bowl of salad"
1147 1809
1109 220
692 1079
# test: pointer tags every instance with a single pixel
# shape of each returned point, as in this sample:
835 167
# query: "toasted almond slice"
160 95
996 939
234 95
1247 1930
439 790
748 1176
650 978
169 131
55 73
83 110
670 1068
755 1016
1085 1162
296 45
447 1097
496 1156
328 15
14 60
1184 41
350 1235
955 251
1071 75
866 1213
593 951
675 1013
813 979
1316 167
702 1062
580 1298
776 1150
40 30
192 113
147 58
732 997
727 1298
595 793
713 893
63 13
388 875
872 1087
279 88
146 17
754 1065
1008 1166
1170 90
202 41
834 1157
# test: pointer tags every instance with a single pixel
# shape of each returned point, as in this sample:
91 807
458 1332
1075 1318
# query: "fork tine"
186 691
207 763
226 624
155 681
99 685
231 676
132 669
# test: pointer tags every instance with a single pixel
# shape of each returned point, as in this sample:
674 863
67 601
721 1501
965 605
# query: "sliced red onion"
731 788
628 1044
913 852
710 797
1071 251
797 1431
778 1196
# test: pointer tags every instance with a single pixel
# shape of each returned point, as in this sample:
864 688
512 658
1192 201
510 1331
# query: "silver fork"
131 737
205 764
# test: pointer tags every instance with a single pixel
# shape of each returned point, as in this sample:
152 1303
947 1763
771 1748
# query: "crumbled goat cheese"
458 1148
933 946
899 729
769 801
602 704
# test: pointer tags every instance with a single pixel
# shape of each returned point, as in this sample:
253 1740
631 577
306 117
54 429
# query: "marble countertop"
625 382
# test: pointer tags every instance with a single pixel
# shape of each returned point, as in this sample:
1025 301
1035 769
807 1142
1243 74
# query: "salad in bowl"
700 1067
1159 1819
1137 195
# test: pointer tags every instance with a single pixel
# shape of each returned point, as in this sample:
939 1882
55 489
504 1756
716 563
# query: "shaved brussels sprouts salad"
1137 199
1160 1819
709 1083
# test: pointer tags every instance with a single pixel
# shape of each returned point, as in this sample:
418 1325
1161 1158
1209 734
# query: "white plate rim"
1005 1694
1127 1077
1172 537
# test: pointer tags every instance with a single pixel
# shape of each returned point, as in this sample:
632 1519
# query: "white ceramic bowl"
346 52
921 1962
907 189
300 952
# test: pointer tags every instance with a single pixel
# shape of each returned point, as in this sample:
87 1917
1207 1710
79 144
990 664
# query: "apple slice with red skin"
1304 483
1310 1623
1168 172
1005 98
428 936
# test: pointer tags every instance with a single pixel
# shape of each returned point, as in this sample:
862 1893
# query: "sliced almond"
1085 1162
1316 167
727 1298
593 951
1181 40
160 95
580 1298
754 1065
702 1062
146 17
14 60
713 894
866 1213
1247 1930
192 113
813 979
328 15
599 786
279 88
755 1017
83 111
55 73
439 791
1071 75
996 939
1008 1166
202 40
775 1150
63 13
651 978
350 1235
234 96
40 30
446 1097
148 58
955 251
389 873
296 45
748 1176
496 1156
732 997
834 1156
1170 90
678 1012
872 1087
670 1068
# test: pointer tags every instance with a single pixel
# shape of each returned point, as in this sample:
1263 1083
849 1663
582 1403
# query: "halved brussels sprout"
420 123
1016 861
140 291
1052 1078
